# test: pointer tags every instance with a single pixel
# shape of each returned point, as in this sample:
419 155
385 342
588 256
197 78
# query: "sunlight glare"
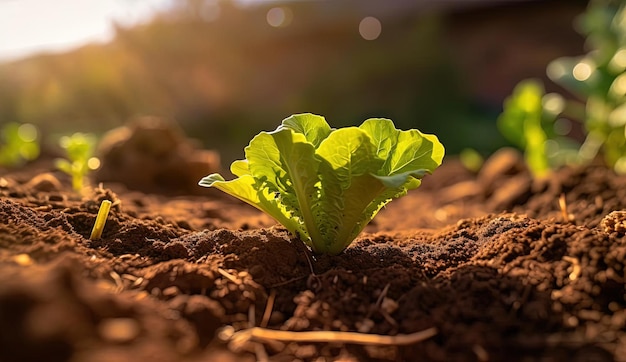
29 26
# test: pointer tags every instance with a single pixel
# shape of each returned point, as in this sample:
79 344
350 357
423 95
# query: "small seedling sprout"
101 219
471 159
19 143
79 149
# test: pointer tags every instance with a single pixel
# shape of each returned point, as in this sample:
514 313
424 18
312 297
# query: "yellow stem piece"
101 219
336 336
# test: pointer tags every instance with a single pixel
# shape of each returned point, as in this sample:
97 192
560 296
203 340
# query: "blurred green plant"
539 122
79 149
19 143
530 121
471 159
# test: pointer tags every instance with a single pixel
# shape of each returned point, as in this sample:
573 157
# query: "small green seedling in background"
101 219
19 143
325 185
471 159
539 123
599 78
529 121
79 149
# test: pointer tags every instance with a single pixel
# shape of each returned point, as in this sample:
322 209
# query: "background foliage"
221 72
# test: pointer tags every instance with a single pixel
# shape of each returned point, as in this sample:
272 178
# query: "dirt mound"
504 267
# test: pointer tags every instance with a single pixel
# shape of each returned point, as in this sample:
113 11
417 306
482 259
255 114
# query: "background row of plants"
21 143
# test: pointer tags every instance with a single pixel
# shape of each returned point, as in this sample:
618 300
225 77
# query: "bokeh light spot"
551 148
619 59
210 11
93 163
279 17
64 141
370 28
582 71
562 126
27 132
589 149
556 70
553 103
619 85
617 118
620 165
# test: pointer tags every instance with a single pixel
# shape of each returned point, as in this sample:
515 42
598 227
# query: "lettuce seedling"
79 149
325 185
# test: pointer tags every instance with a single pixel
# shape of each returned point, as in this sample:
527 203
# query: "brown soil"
488 260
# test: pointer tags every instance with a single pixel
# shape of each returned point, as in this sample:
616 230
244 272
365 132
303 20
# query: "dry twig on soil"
264 334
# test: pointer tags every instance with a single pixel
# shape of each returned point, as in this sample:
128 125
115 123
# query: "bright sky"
30 26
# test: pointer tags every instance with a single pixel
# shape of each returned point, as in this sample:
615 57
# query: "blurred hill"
223 73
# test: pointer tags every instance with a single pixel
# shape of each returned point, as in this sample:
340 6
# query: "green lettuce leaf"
325 185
